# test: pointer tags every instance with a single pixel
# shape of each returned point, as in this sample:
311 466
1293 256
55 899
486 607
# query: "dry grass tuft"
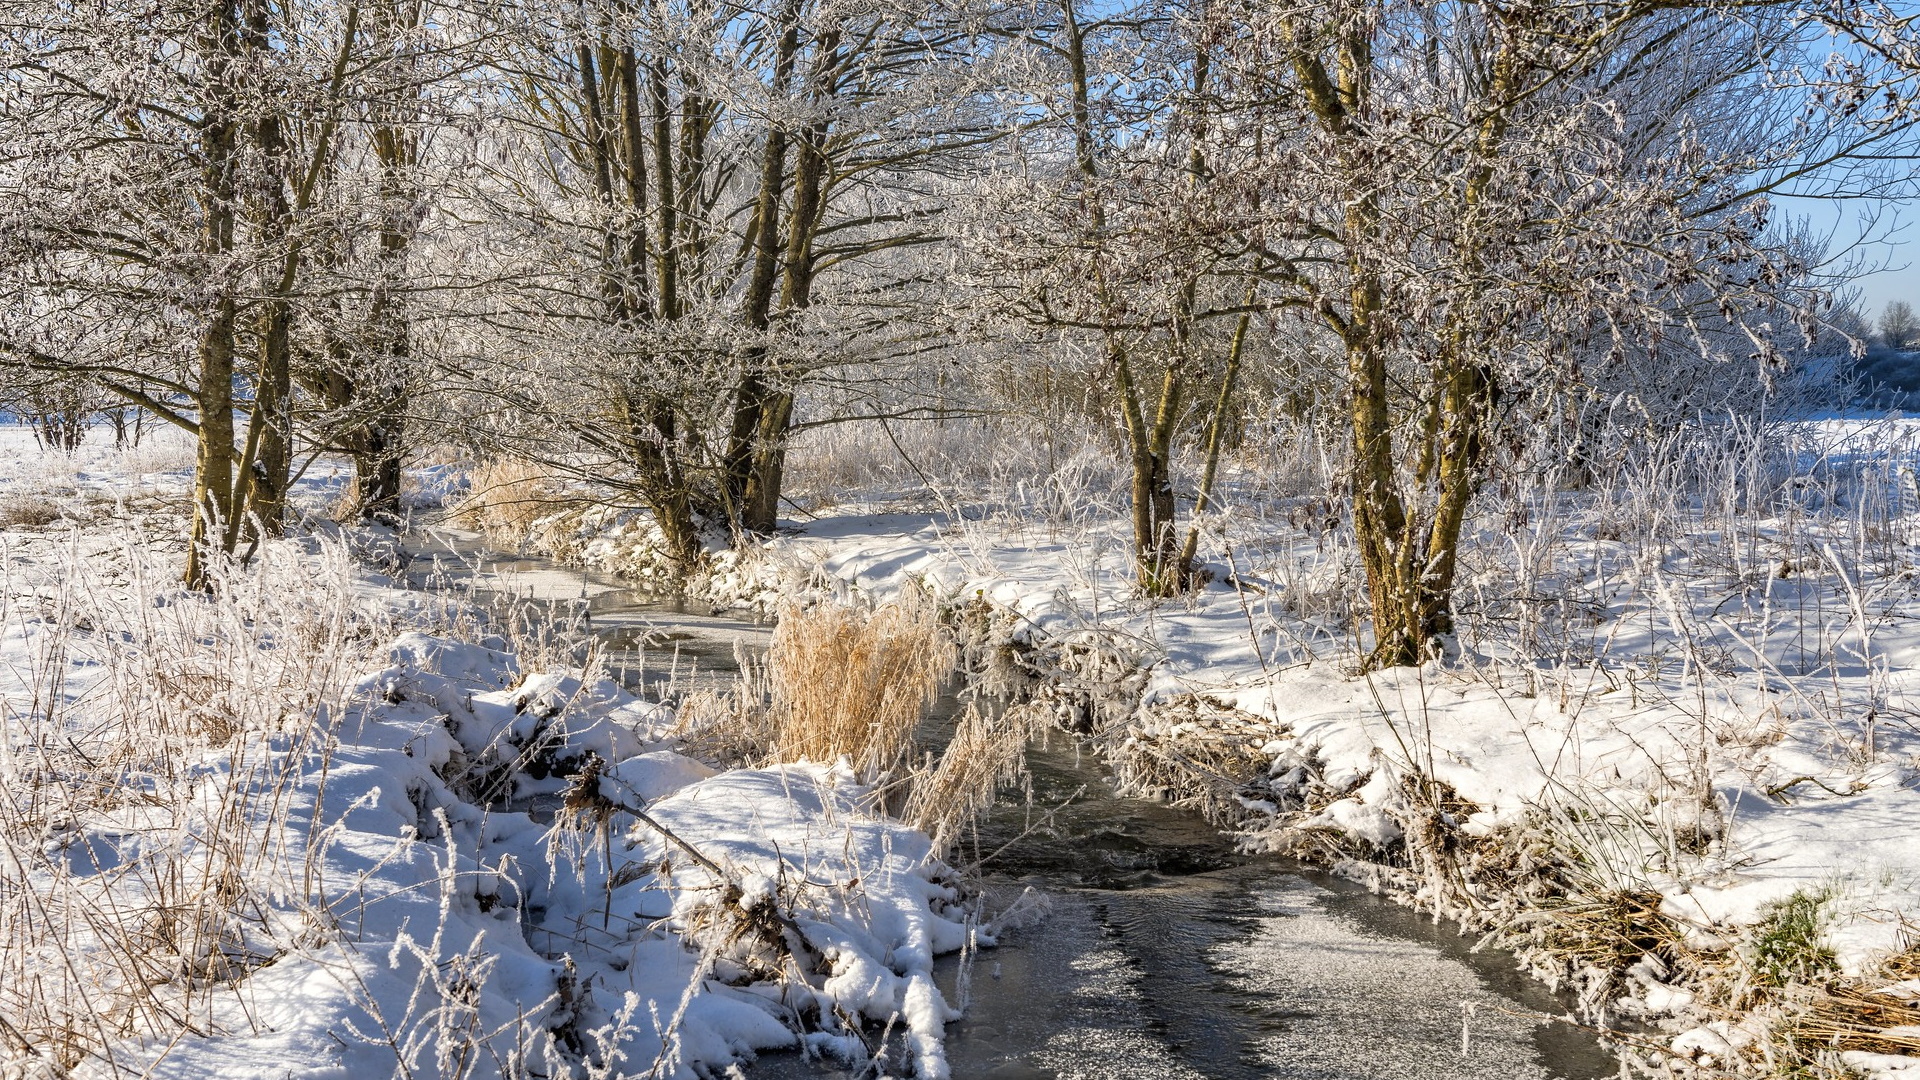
986 754
508 498
28 512
142 711
1858 1018
729 728
842 681
1199 752
851 683
1607 931
1877 1014
1903 965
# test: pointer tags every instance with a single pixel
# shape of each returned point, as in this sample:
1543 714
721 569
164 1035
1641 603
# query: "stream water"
1161 951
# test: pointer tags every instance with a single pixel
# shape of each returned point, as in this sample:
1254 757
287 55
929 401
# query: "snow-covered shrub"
1014 465
24 511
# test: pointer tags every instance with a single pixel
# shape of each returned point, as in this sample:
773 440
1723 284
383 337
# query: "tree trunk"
1410 564
261 487
633 134
1160 563
650 435
271 468
1216 437
266 466
380 445
760 507
667 255
1155 539
755 399
214 460
650 426
1389 554
378 453
213 481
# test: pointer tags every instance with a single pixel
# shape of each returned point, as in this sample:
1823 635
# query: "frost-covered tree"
1899 327
1120 236
1477 200
58 407
142 148
174 178
675 192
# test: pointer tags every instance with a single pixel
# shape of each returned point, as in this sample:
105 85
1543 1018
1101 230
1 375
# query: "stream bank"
1153 947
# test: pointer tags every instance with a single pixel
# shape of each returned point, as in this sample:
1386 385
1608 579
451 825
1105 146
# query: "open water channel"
1162 952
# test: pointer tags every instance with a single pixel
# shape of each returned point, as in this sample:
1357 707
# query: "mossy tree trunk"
1408 517
1149 414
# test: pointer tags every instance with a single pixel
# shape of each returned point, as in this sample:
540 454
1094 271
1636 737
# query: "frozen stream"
1164 953
649 641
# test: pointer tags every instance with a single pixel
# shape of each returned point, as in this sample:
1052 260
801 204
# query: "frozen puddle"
1168 982
1338 987
1239 974
651 642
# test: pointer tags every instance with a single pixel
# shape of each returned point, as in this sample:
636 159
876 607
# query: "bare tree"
691 180
170 176
1123 237
1899 327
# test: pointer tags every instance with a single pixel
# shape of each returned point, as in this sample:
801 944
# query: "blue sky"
1885 238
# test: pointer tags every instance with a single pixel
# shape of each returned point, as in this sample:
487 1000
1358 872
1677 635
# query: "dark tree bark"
213 482
757 404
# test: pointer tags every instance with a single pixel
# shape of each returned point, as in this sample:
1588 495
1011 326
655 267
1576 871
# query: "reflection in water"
1165 955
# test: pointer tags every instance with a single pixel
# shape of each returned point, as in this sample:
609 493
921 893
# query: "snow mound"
422 922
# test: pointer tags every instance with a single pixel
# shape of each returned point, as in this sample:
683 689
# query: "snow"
1359 819
1509 749
438 904
869 897
645 778
416 900
1879 1065
1717 1043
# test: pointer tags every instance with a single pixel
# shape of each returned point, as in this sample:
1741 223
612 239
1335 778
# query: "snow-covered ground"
317 826
1503 743
1673 761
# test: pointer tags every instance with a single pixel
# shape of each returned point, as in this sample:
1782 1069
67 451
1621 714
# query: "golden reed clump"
854 683
508 497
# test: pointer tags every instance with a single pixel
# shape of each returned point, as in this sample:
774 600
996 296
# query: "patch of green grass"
1789 944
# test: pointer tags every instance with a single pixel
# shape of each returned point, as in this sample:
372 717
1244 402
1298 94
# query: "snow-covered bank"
663 939
277 831
1673 762
1695 803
